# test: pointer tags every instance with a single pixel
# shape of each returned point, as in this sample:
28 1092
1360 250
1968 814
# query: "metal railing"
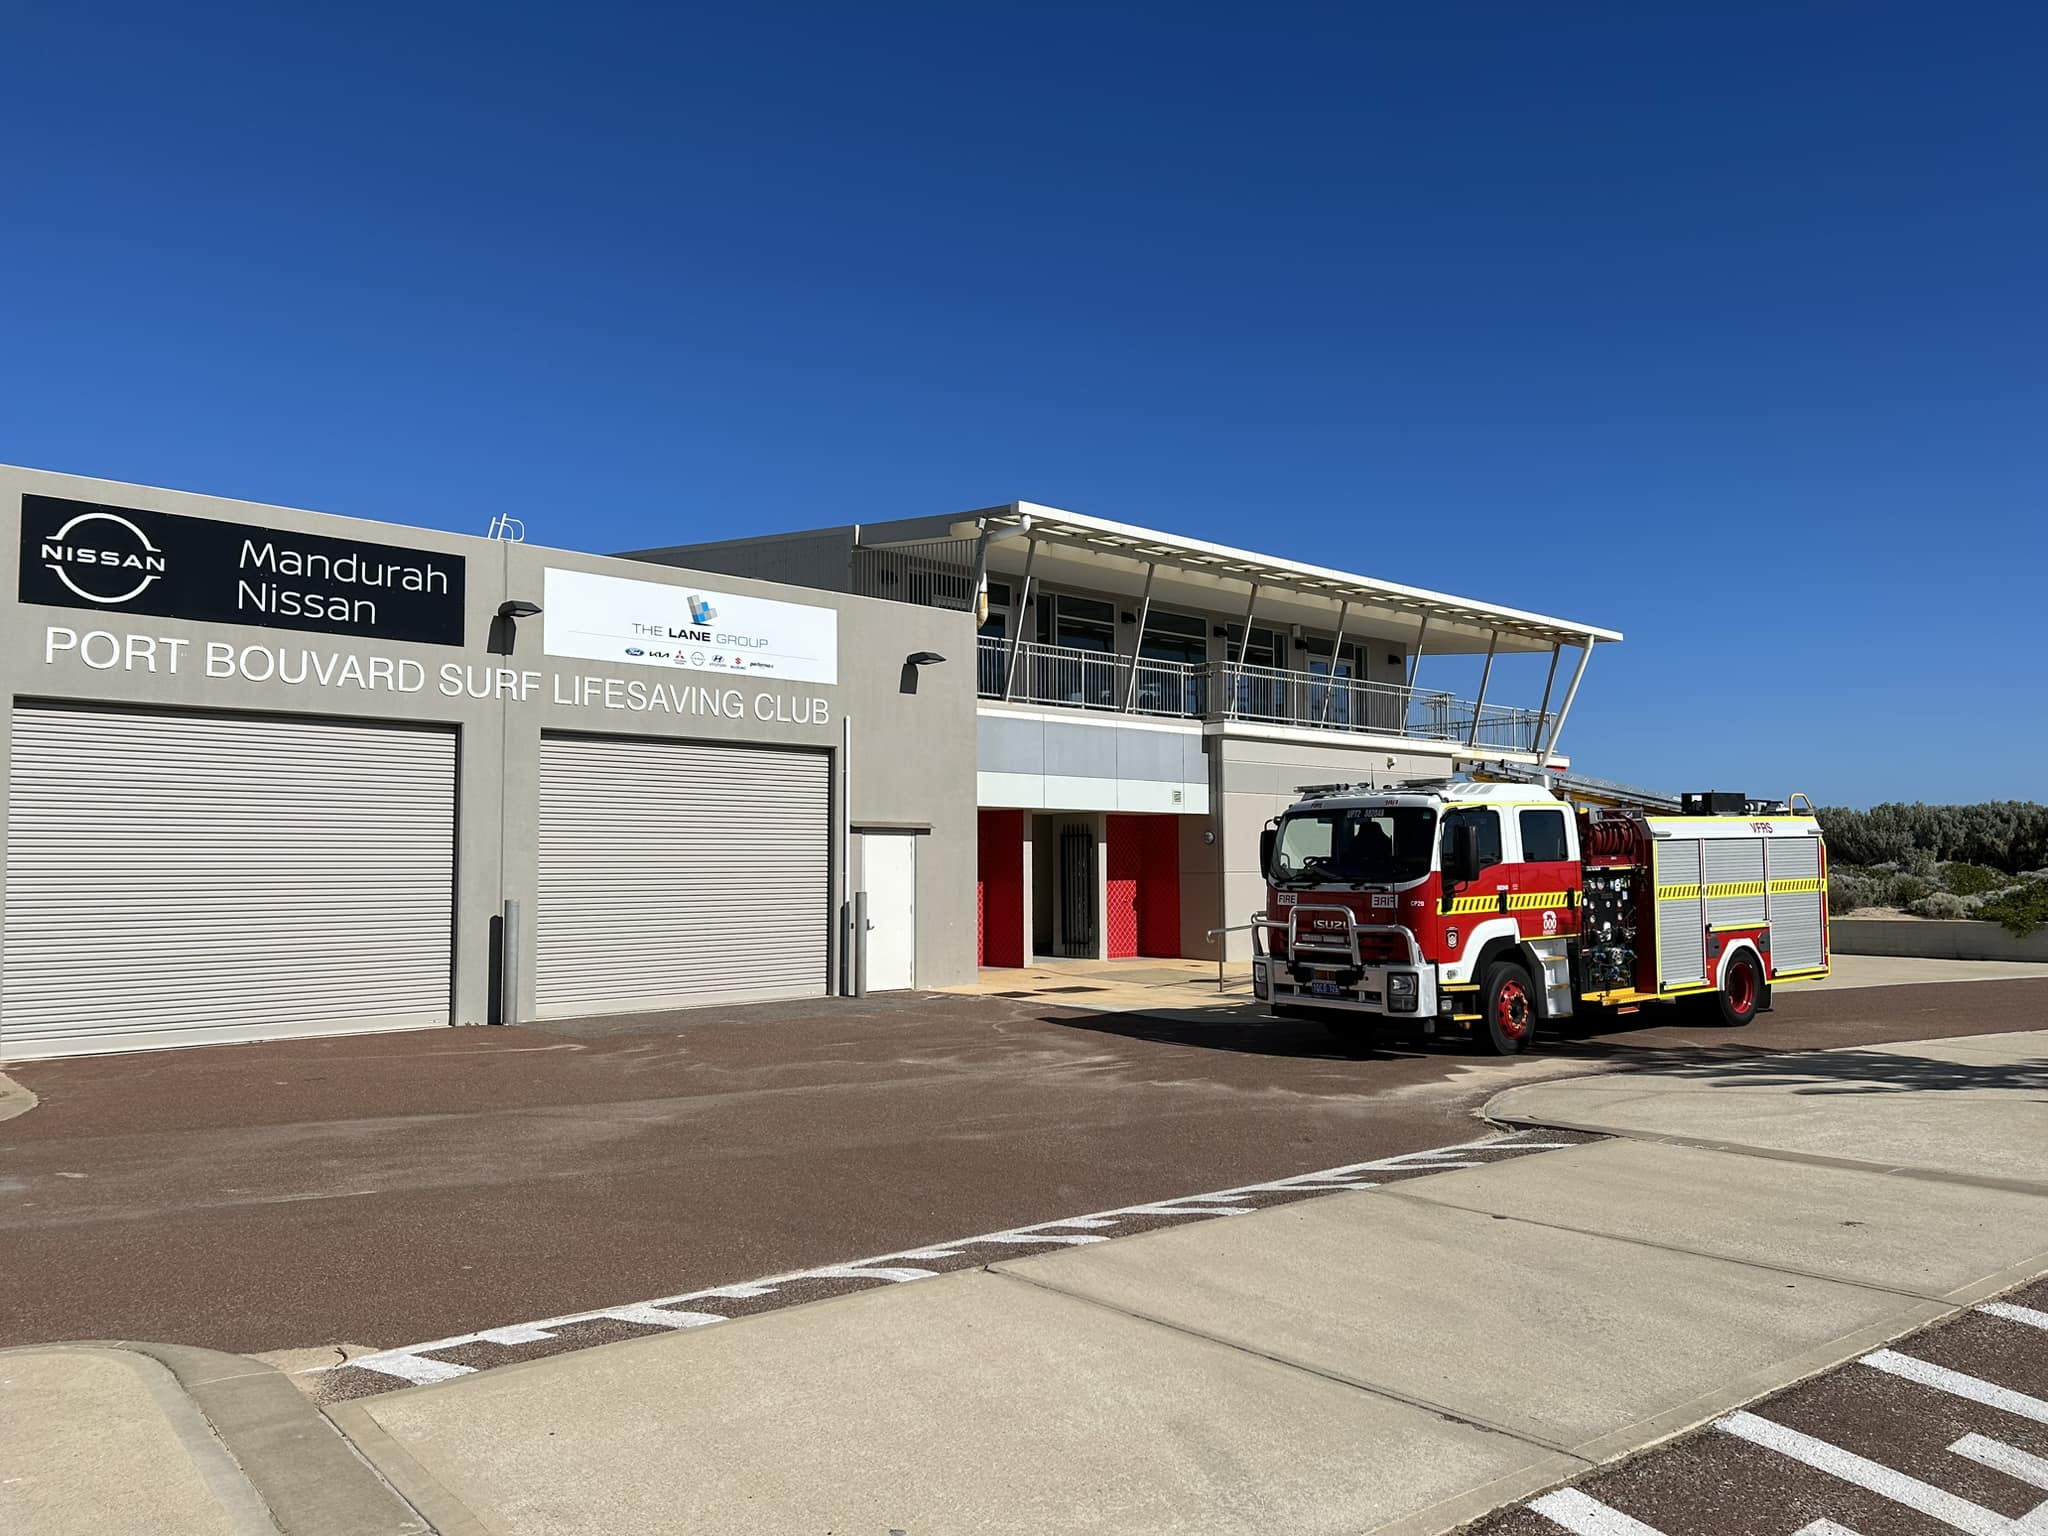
1032 673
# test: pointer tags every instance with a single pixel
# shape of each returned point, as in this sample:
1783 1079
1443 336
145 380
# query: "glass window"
1543 840
1487 824
1383 845
1079 623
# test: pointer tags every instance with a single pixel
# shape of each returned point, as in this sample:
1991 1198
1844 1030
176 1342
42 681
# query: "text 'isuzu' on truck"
1492 907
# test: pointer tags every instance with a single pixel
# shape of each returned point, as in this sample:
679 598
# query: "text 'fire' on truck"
1492 907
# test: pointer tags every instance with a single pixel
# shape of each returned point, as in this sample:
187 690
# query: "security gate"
183 878
679 873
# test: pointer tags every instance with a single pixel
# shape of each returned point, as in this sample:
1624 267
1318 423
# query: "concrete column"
1100 821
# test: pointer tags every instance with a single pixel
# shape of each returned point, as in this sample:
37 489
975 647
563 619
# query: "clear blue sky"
1725 326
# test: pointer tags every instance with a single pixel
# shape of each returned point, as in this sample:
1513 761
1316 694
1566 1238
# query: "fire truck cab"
1489 907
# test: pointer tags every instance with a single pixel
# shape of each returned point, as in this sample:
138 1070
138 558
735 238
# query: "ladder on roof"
1582 788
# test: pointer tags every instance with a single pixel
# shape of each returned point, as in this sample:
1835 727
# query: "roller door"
189 878
678 873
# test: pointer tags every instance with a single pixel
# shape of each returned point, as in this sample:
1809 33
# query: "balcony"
1067 678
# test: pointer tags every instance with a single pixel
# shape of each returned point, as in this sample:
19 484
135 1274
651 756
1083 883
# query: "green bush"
2021 910
2009 835
1848 889
1972 879
1939 904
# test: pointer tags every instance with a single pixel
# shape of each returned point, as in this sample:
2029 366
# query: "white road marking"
657 1317
411 1363
1942 1379
1583 1515
2000 1457
896 1273
1936 1503
1824 1528
416 1369
2014 1314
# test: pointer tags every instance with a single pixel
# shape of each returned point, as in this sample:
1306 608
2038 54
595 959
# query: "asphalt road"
381 1190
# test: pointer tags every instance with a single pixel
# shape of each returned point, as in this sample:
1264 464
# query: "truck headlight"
1401 991
1259 987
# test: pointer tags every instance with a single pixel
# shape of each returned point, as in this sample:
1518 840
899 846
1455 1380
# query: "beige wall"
499 735
1255 779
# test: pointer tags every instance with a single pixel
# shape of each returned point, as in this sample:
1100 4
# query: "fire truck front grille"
1373 949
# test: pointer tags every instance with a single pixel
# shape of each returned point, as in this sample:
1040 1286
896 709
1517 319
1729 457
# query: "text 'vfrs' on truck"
1492 907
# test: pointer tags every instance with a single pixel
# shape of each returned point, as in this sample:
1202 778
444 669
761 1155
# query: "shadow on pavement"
1852 1071
1249 1031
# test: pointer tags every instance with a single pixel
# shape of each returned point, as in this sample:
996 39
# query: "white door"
889 865
674 874
184 878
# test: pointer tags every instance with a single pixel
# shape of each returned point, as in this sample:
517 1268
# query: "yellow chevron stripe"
1678 893
1529 899
1735 888
1796 887
1474 904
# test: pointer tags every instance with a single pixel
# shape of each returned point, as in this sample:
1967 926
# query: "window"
1543 840
1387 845
1487 825
1079 623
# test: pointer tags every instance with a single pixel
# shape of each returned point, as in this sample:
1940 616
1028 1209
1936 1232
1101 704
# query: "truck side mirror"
1267 839
1461 859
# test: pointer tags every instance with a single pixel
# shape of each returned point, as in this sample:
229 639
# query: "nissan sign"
121 560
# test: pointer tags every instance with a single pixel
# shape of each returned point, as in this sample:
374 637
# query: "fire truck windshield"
1366 845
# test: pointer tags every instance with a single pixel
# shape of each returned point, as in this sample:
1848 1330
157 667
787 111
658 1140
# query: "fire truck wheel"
1741 991
1507 1018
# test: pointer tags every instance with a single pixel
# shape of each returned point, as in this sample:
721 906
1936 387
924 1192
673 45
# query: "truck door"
1546 880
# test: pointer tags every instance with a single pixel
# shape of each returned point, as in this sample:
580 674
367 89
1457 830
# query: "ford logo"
634 650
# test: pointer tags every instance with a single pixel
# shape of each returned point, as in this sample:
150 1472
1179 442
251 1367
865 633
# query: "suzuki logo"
103 567
701 612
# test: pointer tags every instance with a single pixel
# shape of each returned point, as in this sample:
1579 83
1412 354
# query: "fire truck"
1489 907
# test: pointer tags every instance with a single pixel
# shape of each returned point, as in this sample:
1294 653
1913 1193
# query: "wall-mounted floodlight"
505 624
923 658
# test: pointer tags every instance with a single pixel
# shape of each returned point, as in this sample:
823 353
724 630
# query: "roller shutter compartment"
184 878
680 873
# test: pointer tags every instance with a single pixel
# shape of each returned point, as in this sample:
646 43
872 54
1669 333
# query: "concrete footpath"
117 1439
1397 1360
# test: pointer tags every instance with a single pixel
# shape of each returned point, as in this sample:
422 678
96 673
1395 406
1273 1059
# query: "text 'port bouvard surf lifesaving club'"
82 554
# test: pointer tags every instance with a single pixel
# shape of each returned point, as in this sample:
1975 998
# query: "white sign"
653 624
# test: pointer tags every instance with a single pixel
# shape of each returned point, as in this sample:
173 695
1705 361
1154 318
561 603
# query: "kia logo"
101 564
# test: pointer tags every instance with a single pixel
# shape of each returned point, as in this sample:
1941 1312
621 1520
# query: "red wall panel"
1159 888
1144 886
1125 872
999 888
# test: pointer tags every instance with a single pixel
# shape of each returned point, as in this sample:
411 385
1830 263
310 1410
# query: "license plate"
1325 989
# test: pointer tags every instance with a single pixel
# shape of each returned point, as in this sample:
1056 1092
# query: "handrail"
1071 677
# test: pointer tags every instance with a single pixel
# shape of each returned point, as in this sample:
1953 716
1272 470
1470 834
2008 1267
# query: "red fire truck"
1491 907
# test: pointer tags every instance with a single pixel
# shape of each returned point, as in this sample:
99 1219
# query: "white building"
1146 702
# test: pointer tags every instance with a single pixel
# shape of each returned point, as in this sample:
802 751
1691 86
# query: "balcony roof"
1455 623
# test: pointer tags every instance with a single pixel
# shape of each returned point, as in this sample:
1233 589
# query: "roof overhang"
1287 587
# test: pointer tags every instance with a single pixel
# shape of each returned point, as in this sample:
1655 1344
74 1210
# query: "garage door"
183 878
676 873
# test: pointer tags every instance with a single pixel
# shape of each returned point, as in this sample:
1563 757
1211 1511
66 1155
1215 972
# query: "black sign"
80 554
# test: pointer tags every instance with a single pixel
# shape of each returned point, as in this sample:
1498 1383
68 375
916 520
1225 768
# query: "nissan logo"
91 560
